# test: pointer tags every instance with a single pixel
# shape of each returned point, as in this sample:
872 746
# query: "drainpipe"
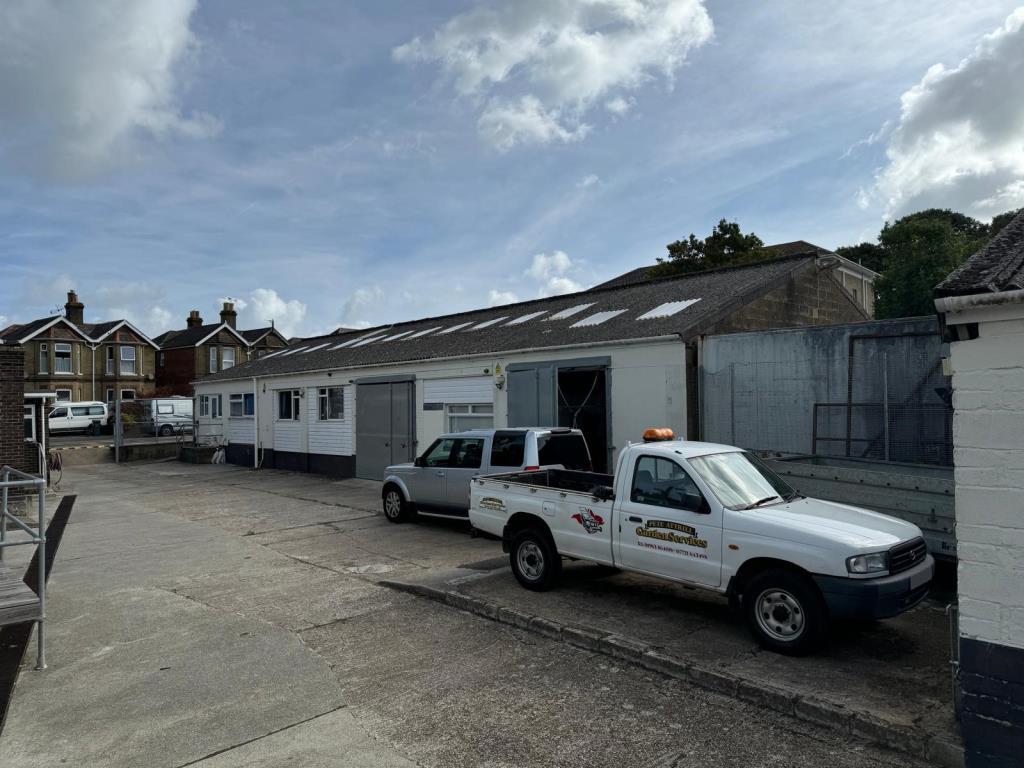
255 427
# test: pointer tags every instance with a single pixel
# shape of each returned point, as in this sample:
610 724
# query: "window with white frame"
30 423
331 403
472 416
241 405
209 406
127 394
44 358
63 394
110 395
62 358
227 358
288 404
128 360
110 362
213 359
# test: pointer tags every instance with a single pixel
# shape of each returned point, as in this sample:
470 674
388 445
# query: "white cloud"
355 308
619 105
552 273
959 142
264 305
588 181
79 81
496 298
538 66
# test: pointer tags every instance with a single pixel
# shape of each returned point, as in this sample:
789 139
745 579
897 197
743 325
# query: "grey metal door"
384 427
531 396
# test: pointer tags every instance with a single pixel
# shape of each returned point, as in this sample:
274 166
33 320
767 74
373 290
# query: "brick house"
22 416
981 306
263 341
80 361
200 349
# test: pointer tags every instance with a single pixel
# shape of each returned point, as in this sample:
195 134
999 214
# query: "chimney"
228 314
194 320
74 310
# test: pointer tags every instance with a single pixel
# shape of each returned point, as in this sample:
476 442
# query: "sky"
366 162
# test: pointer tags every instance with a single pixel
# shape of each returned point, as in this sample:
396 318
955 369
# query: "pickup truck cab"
437 482
715 517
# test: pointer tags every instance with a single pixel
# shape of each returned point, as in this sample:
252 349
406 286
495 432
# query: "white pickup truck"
711 516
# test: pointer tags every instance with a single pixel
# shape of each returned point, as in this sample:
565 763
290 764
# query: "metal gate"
385 431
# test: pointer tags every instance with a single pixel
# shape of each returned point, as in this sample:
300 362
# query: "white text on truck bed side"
715 517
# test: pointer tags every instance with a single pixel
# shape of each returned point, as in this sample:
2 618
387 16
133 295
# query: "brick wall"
12 411
812 297
988 436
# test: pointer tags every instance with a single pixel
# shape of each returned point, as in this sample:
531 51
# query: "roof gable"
997 267
19 334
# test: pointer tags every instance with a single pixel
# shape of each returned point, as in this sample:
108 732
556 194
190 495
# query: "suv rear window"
508 449
569 450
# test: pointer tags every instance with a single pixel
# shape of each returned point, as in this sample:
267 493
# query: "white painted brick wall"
988 437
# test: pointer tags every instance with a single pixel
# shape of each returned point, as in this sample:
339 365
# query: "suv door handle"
440 473
634 519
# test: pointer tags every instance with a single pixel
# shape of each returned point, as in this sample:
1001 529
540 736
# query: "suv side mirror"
419 461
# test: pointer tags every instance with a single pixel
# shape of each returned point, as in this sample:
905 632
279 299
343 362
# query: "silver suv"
437 482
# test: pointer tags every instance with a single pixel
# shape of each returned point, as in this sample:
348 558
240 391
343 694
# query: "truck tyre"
535 561
396 508
166 430
785 612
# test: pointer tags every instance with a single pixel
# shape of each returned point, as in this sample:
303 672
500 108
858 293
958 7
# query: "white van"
88 417
167 415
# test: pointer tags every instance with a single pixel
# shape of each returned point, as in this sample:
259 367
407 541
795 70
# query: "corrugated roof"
720 292
997 267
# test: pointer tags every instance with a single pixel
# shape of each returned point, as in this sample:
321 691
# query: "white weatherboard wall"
648 388
988 438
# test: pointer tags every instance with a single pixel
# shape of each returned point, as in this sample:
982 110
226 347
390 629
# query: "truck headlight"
871 563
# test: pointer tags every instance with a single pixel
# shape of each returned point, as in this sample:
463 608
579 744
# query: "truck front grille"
904 556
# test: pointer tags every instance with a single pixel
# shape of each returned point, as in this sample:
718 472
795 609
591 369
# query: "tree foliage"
871 255
725 246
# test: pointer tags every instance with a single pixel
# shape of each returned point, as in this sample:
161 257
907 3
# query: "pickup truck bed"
590 483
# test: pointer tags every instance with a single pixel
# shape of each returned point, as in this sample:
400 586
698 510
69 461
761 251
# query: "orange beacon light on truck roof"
658 434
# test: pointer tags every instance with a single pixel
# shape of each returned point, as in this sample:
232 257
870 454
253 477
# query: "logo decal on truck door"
591 522
687 535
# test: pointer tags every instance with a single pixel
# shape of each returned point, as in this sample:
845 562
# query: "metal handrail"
37 537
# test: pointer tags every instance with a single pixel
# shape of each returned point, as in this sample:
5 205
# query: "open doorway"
583 405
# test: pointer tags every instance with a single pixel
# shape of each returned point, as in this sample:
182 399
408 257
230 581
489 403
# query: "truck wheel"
785 612
166 430
535 561
396 508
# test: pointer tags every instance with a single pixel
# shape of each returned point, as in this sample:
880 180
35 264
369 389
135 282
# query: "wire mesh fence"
881 397
154 420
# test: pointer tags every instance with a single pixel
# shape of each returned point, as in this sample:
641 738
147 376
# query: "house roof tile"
997 267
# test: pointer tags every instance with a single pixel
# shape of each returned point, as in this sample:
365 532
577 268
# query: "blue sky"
352 163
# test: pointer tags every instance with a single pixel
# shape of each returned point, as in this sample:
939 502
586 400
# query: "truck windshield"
741 480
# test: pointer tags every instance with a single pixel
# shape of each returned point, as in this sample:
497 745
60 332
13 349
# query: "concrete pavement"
215 616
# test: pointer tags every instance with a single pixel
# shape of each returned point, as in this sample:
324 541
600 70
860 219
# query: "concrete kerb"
860 724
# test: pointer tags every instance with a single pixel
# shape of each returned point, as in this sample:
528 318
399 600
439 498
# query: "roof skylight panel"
667 309
368 340
454 328
318 346
397 336
291 351
569 311
425 332
597 318
272 354
526 318
488 323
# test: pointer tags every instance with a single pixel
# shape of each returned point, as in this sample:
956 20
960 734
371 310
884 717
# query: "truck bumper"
877 598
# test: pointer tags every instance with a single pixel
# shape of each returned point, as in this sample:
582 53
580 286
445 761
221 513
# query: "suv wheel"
785 612
396 508
535 561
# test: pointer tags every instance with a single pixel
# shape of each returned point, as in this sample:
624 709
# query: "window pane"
227 358
80 410
569 450
336 402
439 454
30 422
128 360
663 483
250 402
458 409
284 404
44 359
127 394
59 413
465 423
236 406
62 358
508 449
468 453
483 408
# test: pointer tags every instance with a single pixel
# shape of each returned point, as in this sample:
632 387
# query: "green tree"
725 246
1000 221
919 251
871 255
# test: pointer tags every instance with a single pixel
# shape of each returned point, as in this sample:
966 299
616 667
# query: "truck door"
665 526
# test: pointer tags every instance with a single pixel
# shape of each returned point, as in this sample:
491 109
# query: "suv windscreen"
569 450
508 449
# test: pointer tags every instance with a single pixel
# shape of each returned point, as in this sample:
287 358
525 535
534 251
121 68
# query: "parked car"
715 517
88 417
437 482
167 415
